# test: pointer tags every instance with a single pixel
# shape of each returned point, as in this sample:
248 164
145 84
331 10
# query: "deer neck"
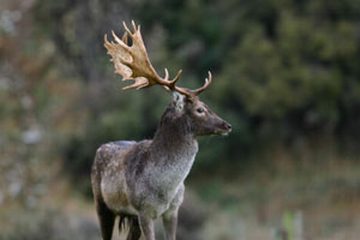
173 144
173 149
174 139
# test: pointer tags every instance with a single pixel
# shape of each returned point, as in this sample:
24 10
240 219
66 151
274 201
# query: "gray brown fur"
144 180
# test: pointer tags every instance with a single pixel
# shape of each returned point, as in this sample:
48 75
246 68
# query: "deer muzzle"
224 128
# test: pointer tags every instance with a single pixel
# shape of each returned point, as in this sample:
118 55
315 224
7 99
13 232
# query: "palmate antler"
132 63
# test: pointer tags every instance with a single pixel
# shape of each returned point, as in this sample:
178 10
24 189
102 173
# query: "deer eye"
200 110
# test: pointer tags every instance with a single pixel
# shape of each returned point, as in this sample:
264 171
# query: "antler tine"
166 74
176 78
207 83
117 39
126 28
110 45
125 38
134 26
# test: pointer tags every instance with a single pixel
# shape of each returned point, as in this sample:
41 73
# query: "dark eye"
200 110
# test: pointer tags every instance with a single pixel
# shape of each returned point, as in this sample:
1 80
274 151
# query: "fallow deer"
141 181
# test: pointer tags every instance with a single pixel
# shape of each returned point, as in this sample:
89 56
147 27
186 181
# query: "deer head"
132 63
197 116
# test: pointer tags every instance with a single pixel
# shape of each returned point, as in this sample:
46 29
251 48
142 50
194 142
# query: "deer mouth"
223 132
224 129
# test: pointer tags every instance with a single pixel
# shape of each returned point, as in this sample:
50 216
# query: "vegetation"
286 76
284 71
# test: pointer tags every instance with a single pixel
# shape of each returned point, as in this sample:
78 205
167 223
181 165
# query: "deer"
141 181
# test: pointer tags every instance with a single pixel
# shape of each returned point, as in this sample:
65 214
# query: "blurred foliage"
285 71
286 76
46 224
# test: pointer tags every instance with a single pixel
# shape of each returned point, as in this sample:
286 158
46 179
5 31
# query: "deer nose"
227 126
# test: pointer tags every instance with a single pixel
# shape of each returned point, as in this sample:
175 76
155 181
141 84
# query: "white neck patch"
179 101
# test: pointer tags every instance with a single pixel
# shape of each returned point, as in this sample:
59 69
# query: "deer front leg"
170 224
170 217
147 227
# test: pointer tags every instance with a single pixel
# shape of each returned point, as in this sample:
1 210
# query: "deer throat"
173 163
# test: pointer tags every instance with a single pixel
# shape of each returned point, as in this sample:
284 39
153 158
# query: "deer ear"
178 101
